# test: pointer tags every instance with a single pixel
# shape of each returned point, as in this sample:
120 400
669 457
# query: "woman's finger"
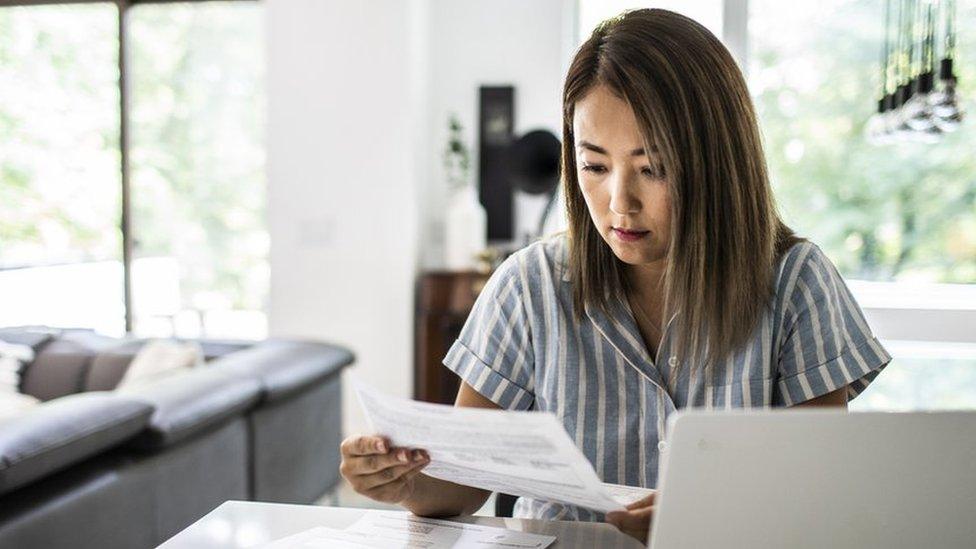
391 492
386 476
374 463
385 492
414 472
633 523
645 501
364 445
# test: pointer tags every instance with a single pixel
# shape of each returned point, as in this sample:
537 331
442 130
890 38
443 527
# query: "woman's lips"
629 235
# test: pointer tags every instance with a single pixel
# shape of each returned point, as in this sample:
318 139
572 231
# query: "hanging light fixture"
918 111
912 105
944 101
876 129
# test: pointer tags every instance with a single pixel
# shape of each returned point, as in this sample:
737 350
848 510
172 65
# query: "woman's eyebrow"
598 149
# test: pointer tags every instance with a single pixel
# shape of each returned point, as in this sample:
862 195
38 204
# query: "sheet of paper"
388 529
518 453
414 531
626 494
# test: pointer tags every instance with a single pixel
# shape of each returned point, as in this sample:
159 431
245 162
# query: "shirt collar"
619 329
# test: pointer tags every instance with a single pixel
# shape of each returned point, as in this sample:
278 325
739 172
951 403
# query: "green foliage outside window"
903 211
59 119
196 131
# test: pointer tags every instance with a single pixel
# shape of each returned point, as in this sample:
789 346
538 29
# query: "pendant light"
913 106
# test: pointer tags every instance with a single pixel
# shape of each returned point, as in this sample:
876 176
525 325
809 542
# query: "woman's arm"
834 398
436 497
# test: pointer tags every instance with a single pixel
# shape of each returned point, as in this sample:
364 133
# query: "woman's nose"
622 200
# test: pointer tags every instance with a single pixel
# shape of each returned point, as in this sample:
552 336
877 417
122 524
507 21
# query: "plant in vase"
465 225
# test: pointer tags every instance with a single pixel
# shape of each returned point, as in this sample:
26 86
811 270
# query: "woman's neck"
647 283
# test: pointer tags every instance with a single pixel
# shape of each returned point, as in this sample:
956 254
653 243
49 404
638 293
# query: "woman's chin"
633 255
637 253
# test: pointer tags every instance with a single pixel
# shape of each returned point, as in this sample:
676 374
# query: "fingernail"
381 446
402 456
418 455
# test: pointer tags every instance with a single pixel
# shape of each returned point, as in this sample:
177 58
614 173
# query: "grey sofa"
94 468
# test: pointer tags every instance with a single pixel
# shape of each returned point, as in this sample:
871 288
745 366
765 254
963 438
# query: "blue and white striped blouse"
523 348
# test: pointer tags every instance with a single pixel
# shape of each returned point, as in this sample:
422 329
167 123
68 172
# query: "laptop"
817 479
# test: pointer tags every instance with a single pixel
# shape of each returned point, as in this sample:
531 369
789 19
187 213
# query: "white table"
237 524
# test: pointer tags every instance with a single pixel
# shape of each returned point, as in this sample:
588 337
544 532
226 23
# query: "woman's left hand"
636 519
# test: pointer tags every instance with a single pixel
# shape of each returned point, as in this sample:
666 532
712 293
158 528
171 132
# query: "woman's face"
623 185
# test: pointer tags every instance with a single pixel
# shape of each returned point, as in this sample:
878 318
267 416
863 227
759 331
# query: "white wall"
492 42
359 95
346 103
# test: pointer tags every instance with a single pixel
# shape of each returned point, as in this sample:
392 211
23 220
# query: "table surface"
237 524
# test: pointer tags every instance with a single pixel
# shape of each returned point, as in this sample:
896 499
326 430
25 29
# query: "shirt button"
673 360
661 446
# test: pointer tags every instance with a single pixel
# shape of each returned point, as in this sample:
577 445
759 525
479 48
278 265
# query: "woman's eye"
594 168
656 172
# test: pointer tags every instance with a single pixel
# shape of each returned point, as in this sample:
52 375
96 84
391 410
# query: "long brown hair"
692 104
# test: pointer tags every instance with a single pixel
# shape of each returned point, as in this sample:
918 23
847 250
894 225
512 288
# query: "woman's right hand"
379 471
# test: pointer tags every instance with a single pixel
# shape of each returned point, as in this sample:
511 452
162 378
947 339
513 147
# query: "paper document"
518 453
626 495
388 529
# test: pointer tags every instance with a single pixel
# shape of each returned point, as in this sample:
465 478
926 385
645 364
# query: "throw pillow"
13 357
158 359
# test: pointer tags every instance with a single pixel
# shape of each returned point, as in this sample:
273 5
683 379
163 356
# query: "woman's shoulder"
540 264
805 268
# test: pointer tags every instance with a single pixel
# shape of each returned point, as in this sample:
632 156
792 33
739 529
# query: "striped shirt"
523 348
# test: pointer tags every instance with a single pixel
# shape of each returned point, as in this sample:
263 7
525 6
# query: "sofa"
94 467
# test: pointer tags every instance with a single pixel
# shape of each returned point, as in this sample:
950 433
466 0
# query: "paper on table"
402 530
518 453
626 495
416 531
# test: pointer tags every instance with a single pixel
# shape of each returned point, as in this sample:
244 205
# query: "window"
194 160
898 220
902 212
197 164
60 192
923 376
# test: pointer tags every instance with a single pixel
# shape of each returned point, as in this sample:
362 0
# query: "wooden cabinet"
443 301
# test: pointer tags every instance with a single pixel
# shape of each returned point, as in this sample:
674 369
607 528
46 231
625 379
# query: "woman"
676 284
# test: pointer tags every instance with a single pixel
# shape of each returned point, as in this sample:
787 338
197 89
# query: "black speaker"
496 123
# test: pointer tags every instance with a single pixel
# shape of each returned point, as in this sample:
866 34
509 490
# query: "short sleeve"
493 352
826 341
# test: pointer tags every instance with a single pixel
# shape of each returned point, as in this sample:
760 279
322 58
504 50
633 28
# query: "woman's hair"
692 106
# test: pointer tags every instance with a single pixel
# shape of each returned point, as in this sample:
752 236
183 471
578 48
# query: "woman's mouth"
629 235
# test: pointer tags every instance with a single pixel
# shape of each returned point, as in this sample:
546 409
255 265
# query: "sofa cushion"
216 348
13 357
33 337
14 404
285 367
58 370
64 431
107 368
61 367
189 403
111 364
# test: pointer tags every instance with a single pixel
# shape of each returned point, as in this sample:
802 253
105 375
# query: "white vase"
465 230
